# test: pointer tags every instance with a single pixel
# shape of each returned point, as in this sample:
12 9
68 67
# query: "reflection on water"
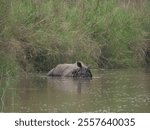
108 91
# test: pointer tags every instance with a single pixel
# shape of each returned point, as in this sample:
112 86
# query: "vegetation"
35 35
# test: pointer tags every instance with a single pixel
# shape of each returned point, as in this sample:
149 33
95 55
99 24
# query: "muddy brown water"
108 91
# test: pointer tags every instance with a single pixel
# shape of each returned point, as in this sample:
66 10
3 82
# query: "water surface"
108 91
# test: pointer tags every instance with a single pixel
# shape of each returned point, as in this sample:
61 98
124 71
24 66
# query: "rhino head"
82 71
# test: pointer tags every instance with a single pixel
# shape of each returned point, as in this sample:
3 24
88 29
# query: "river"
126 90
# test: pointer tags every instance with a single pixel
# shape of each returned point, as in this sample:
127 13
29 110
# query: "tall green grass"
8 64
43 33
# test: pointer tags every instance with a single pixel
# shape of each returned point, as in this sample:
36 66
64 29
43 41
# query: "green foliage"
120 33
44 33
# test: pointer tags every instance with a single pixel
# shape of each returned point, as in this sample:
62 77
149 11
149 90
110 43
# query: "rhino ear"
79 64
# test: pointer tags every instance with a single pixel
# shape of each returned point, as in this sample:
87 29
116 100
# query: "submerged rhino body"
77 69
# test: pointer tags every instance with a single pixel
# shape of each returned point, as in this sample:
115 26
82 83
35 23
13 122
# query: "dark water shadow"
68 84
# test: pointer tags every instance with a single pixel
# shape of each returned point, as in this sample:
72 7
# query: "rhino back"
63 70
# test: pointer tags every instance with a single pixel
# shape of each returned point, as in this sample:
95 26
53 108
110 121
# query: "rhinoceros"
77 69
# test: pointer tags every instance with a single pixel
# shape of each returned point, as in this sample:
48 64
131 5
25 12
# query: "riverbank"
35 35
